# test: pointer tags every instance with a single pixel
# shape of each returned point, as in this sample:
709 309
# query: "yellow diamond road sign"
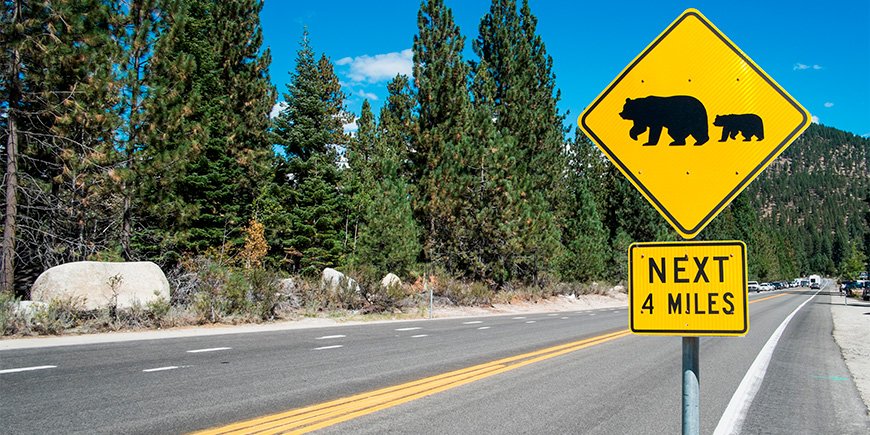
688 288
692 121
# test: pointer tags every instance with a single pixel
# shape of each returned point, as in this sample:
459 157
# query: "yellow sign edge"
696 333
691 233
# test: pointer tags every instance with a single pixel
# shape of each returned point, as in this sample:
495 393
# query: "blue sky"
819 51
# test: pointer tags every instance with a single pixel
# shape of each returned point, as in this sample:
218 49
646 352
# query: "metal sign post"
691 386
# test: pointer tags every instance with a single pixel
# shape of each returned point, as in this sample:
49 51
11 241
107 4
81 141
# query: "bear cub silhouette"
749 124
682 115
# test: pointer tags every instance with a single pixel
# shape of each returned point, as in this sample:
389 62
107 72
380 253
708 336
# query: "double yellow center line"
315 417
310 418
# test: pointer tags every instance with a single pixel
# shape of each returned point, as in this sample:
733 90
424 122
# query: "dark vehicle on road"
815 286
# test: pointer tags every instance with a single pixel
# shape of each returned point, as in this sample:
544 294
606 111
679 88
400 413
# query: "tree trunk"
7 263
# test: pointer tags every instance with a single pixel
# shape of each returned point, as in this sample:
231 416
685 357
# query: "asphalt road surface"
567 372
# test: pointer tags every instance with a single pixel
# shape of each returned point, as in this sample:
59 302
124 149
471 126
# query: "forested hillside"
140 130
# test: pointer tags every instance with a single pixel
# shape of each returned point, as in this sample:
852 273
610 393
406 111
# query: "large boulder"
102 284
336 282
390 280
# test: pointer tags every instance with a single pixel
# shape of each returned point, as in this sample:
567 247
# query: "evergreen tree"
440 75
583 233
164 132
309 225
150 106
235 97
58 91
525 98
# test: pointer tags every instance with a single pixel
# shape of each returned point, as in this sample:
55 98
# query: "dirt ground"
852 332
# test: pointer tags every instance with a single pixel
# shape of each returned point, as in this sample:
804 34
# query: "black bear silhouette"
682 115
749 124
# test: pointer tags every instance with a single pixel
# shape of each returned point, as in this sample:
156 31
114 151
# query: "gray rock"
332 280
101 284
390 280
27 309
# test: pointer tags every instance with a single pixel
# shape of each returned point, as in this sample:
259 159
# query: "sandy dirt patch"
852 333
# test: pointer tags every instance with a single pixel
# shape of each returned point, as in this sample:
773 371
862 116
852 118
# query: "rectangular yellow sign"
688 288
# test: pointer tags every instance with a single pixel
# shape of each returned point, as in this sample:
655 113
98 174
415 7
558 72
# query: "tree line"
140 130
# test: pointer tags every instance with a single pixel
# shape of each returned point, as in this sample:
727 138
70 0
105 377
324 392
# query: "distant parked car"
753 287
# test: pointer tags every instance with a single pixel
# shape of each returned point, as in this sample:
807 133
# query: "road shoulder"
852 333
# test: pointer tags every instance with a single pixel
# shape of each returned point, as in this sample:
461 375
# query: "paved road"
620 384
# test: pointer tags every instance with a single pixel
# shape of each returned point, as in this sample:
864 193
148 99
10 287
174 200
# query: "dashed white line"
518 318
160 369
552 315
419 336
474 322
591 314
329 337
211 349
328 347
563 318
531 321
409 329
26 369
483 327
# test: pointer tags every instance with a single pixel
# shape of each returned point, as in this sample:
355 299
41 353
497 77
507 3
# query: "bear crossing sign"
692 121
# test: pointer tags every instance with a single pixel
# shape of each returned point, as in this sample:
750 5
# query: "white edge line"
160 369
409 329
26 369
212 349
734 415
474 322
419 336
328 347
327 337
483 327
531 321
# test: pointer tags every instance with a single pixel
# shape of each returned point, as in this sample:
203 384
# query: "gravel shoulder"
614 298
852 333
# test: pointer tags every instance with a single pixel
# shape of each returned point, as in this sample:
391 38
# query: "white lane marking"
211 349
475 322
591 314
734 415
26 369
531 321
419 336
482 328
563 318
409 329
328 347
553 315
160 369
329 337
518 318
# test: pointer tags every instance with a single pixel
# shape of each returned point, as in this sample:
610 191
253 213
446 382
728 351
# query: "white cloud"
815 119
866 135
368 95
277 108
802 66
380 67
829 104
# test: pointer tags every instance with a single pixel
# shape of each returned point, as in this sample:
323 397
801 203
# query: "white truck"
815 282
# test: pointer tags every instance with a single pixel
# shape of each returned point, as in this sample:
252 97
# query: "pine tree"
165 133
309 224
525 99
231 79
440 75
583 234
149 108
59 91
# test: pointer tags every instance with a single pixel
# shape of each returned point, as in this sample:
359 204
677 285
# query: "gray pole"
691 387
